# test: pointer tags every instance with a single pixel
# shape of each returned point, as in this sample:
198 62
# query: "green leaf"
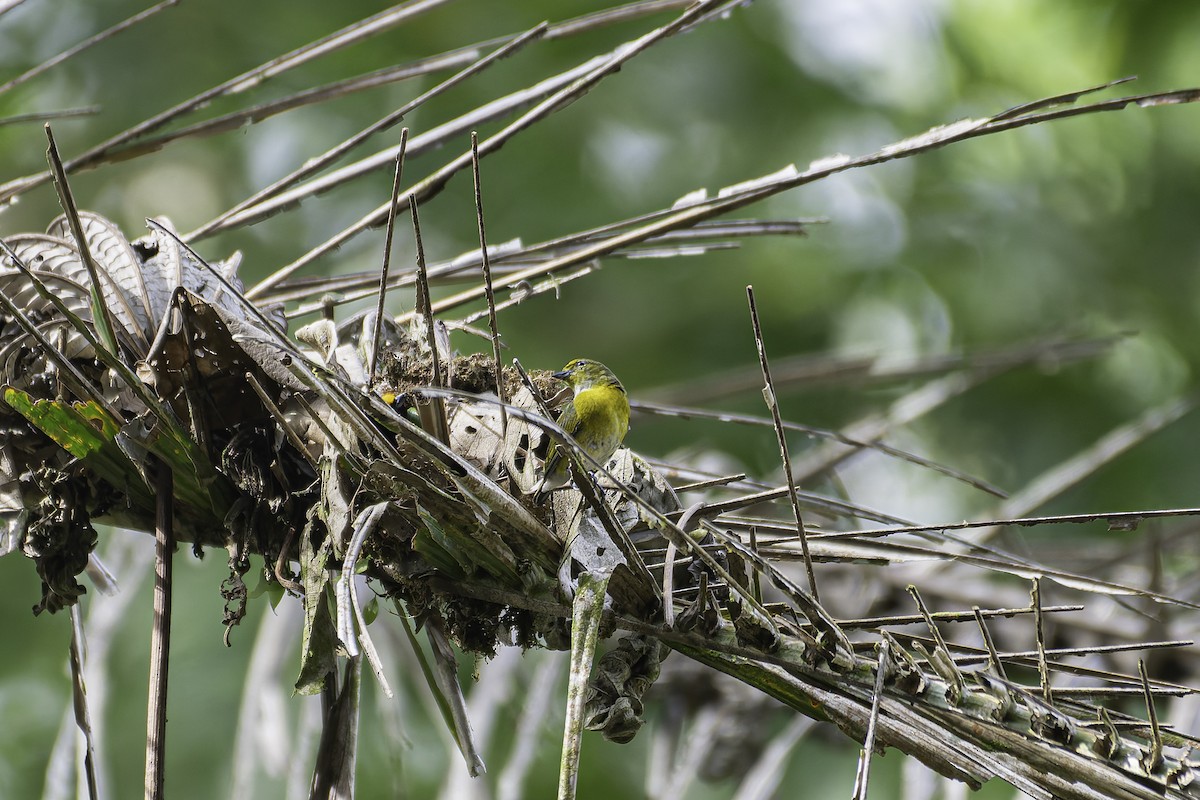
318 655
82 429
437 548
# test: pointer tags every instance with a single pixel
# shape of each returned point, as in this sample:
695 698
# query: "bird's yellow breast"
604 410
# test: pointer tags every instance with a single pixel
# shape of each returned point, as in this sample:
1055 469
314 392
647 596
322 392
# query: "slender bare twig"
457 57
1057 480
461 55
668 585
1155 754
731 198
967 656
781 439
377 332
434 412
710 483
940 657
486 264
682 412
947 616
91 41
863 774
994 662
1117 520
101 314
345 37
160 636
250 115
755 579
8 5
1120 692
511 256
315 165
1090 650
909 407
806 371
43 116
83 714
1035 600
564 89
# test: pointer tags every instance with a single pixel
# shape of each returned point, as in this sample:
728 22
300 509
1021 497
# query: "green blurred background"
1084 227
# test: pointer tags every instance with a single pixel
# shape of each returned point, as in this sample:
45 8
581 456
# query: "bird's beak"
562 376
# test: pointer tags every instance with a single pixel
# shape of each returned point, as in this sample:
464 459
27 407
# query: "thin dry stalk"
160 636
377 331
86 44
83 714
433 415
781 439
486 264
863 775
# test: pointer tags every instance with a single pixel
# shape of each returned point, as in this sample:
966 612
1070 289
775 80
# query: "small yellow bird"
597 417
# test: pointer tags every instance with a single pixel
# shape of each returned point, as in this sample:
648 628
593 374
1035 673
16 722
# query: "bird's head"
582 374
